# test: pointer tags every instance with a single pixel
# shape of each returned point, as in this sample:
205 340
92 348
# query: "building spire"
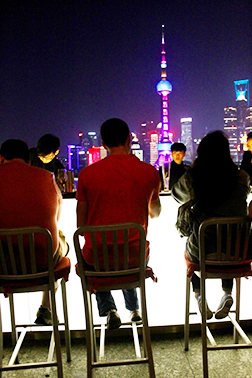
164 88
163 60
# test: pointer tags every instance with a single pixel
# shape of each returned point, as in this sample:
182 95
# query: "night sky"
67 66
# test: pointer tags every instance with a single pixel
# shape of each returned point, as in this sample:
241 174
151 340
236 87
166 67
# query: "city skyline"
68 68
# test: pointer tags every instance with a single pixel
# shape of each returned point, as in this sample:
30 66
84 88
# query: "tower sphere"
164 87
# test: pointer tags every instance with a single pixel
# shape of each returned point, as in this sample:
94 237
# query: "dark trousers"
106 302
227 284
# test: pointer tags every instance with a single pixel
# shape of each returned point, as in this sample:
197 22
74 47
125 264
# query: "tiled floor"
169 357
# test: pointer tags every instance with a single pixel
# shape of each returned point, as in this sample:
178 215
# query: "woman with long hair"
219 189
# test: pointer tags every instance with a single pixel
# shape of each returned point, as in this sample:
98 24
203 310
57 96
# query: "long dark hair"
214 173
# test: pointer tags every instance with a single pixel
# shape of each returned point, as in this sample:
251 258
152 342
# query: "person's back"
28 196
120 189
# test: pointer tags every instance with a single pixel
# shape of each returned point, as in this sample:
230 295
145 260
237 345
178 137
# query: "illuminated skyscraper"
153 148
136 148
164 88
237 122
76 158
249 120
144 138
186 137
230 128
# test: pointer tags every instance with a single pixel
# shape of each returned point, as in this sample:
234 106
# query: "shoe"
135 316
224 306
44 316
209 313
113 320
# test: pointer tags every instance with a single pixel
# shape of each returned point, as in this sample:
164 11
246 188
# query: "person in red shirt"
117 189
29 196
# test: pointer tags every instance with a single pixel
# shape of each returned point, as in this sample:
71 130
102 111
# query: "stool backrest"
114 253
19 257
227 240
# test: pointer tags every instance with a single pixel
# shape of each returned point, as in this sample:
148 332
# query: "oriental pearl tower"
164 88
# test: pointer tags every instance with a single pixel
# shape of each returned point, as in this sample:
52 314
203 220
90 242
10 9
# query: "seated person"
246 163
177 167
44 156
220 190
117 189
29 196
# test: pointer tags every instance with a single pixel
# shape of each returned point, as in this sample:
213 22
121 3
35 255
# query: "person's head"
14 149
48 147
215 174
214 148
114 133
249 141
178 151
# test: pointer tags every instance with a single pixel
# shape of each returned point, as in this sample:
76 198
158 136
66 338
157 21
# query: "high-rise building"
136 148
249 120
144 138
153 148
95 154
236 119
76 158
230 128
186 137
93 137
164 88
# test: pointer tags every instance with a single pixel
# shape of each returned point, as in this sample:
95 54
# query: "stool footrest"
121 362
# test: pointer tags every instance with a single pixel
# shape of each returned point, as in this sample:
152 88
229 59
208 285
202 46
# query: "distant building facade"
237 121
153 148
186 137
249 120
76 158
230 128
136 148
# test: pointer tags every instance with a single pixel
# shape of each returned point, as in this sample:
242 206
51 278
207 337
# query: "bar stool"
230 261
20 273
112 271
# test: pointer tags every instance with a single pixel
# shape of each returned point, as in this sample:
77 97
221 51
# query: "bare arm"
82 213
155 208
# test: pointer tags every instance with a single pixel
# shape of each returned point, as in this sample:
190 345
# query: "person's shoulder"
243 175
89 169
58 164
39 172
146 166
187 167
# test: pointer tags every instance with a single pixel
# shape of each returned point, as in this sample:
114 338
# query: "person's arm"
82 213
155 208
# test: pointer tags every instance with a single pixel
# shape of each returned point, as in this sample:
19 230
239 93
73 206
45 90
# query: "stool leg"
203 328
237 307
89 332
187 313
1 344
14 336
56 332
65 311
146 332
